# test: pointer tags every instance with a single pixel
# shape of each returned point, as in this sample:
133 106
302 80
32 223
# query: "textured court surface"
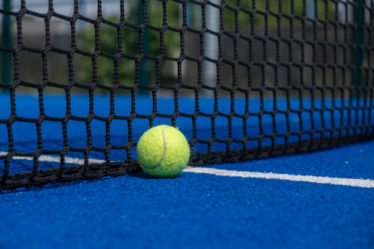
203 210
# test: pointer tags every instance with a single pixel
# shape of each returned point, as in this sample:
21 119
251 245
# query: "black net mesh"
243 79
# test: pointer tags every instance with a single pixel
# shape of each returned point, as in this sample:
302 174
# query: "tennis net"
242 79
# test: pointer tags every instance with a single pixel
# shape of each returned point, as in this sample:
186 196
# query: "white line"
362 183
55 159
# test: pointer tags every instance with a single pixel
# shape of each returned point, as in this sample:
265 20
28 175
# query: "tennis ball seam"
163 153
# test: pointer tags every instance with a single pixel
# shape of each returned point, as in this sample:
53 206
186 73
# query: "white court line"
55 159
361 183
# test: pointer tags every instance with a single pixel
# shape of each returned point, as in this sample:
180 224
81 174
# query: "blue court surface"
323 199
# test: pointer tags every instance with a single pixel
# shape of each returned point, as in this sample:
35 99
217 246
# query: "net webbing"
243 80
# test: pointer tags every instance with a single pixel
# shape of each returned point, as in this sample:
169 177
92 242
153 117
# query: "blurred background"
141 46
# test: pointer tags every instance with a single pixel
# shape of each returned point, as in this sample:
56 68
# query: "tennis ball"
163 151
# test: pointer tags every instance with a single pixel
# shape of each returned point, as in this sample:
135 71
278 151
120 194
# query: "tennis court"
275 99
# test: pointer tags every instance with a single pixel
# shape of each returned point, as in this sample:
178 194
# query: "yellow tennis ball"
163 151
